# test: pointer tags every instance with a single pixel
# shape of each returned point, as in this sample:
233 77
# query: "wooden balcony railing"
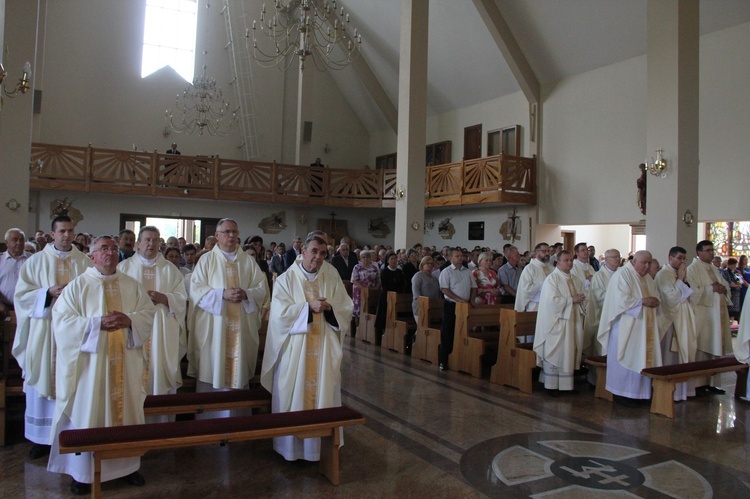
495 179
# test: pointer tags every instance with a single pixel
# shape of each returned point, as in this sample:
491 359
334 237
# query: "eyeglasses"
229 232
108 249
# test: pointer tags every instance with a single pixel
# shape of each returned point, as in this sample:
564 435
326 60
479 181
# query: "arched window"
169 37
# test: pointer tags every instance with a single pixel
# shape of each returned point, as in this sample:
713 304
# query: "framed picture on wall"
476 231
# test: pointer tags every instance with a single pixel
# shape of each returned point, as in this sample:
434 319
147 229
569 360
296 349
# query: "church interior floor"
445 434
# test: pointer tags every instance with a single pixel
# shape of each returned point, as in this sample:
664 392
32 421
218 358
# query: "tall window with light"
169 37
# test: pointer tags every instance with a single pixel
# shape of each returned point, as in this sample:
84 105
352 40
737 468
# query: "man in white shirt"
10 265
595 301
458 286
710 298
101 321
629 331
581 266
530 283
310 314
679 343
558 339
163 282
227 292
41 281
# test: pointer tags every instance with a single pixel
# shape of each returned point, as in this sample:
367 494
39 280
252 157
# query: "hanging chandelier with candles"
305 28
202 106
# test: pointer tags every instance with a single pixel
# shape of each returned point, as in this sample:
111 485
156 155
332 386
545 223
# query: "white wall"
93 48
594 137
492 217
502 112
724 125
603 237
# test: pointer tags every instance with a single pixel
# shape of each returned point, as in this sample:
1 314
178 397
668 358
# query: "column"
672 123
412 122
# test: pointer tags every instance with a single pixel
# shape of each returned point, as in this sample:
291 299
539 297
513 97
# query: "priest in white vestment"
629 330
680 338
595 302
40 281
710 298
227 292
164 284
530 283
581 266
310 313
558 338
101 321
742 342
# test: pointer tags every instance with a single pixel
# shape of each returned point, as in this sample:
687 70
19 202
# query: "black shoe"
135 479
626 402
552 393
38 451
443 367
80 489
715 390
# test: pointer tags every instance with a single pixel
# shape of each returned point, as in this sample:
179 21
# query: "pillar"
672 123
412 123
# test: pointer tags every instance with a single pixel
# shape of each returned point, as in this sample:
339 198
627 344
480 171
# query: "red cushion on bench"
158 431
598 358
700 365
205 397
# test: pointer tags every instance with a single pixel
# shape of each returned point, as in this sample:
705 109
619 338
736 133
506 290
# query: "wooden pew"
11 382
429 318
368 308
599 363
470 347
197 403
515 361
664 379
136 440
399 321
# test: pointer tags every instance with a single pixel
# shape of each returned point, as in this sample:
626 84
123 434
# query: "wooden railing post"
154 171
88 161
215 176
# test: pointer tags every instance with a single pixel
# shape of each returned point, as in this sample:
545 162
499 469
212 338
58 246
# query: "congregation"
132 306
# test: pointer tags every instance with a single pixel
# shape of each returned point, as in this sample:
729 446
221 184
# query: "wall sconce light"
657 167
327 148
22 85
398 192
13 205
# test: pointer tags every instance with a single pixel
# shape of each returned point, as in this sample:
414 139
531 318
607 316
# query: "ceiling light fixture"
306 28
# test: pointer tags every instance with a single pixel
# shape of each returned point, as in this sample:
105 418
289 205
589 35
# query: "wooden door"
473 142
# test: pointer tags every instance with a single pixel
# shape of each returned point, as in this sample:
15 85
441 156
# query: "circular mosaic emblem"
585 465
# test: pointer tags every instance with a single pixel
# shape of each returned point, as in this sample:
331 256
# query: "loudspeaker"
37 102
307 132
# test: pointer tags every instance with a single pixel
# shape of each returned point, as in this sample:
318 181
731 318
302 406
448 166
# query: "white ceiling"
560 38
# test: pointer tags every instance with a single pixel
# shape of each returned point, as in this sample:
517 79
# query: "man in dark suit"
291 254
344 261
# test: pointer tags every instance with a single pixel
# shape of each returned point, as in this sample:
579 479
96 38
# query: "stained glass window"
730 238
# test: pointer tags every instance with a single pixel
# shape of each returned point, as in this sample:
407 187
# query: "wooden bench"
515 360
470 347
368 310
399 322
429 318
11 382
599 362
664 379
136 440
197 403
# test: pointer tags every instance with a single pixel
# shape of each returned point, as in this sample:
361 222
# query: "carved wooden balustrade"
496 179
